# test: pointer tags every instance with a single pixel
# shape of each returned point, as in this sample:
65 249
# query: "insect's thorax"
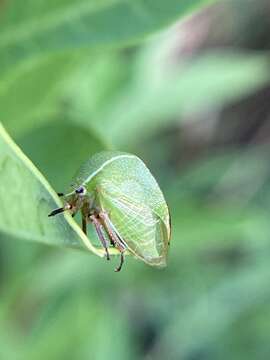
91 201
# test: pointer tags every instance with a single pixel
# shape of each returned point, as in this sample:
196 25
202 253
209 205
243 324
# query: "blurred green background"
191 98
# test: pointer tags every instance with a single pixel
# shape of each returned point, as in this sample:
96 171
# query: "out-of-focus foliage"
32 27
193 102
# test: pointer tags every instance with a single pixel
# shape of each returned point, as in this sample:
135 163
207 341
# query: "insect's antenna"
60 210
56 211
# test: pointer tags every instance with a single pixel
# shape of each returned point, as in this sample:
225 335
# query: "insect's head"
72 201
81 190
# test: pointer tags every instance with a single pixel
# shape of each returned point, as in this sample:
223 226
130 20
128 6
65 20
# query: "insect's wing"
139 226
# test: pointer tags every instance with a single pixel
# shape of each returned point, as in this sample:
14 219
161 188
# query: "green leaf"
30 93
32 26
49 145
44 88
26 199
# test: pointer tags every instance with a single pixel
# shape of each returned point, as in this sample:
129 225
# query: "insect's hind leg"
122 258
114 237
98 226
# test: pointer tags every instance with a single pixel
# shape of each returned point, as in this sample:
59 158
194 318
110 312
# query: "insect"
116 192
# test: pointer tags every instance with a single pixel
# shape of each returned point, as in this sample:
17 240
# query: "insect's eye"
80 190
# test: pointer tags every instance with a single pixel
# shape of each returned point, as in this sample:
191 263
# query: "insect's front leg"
85 215
84 224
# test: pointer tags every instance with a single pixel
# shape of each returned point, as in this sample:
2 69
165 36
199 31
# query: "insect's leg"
60 194
84 224
98 227
114 236
119 267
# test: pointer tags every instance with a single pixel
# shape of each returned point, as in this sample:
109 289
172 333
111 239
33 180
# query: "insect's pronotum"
116 192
